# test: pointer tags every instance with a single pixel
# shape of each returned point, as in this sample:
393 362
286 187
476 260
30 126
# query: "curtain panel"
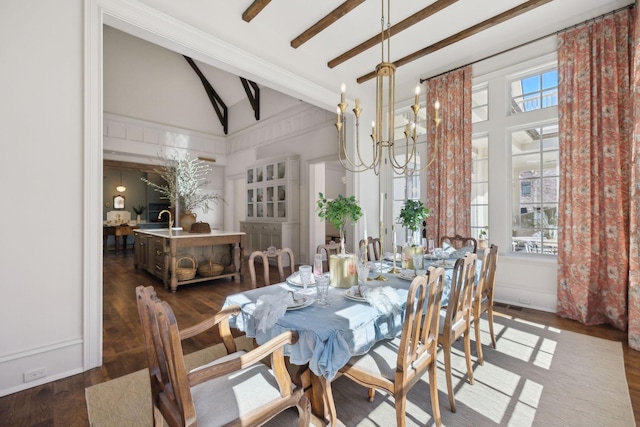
634 236
449 176
596 123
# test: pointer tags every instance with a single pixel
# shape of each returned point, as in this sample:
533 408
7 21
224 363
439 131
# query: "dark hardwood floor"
62 403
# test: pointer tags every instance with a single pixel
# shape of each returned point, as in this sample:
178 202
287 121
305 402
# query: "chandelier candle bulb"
343 89
417 100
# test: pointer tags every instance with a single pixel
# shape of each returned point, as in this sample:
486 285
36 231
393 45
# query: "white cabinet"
261 235
272 190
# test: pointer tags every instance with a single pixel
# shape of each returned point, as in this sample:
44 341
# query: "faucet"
170 220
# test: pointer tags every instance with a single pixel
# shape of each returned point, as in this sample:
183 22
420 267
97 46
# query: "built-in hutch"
273 211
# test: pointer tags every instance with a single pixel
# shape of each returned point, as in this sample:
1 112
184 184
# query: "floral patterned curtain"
634 254
449 176
595 170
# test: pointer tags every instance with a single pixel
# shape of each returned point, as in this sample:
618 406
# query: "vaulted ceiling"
326 43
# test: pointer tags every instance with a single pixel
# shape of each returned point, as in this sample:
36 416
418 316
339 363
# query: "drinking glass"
363 272
418 261
317 266
305 275
322 291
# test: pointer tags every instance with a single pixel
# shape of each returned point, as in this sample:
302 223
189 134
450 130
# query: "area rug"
537 376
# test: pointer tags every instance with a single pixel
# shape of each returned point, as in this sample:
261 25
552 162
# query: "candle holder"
380 277
394 269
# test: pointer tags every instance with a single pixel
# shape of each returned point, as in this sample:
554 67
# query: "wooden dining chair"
264 256
483 299
237 389
456 317
331 248
373 248
459 242
395 366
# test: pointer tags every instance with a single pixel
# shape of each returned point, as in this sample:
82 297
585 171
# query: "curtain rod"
613 12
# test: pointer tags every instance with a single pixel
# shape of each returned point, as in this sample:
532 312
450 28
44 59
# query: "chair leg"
433 390
372 394
304 411
447 370
467 353
490 317
401 408
476 328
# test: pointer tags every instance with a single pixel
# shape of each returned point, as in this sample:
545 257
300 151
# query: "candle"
393 231
364 218
436 105
339 115
343 89
417 100
357 103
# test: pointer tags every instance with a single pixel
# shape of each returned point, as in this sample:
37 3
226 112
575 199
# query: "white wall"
41 166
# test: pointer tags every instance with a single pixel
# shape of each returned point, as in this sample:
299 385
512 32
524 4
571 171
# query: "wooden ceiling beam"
255 8
395 29
498 19
322 24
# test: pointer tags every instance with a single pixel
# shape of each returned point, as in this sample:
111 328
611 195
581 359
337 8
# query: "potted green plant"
184 181
482 237
412 214
340 211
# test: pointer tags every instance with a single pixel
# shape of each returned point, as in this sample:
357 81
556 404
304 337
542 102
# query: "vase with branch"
139 210
185 179
339 212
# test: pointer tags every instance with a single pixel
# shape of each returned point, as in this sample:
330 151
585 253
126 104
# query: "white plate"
350 293
406 276
294 280
303 301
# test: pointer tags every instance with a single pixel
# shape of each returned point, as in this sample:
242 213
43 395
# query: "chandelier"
383 128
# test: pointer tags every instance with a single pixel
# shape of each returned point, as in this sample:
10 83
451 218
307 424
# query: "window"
479 185
480 104
519 140
534 92
535 181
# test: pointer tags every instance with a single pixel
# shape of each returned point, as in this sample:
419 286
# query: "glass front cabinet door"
272 190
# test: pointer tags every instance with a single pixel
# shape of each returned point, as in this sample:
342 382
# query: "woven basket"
200 227
210 269
186 273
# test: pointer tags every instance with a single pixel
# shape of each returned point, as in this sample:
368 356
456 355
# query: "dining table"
328 336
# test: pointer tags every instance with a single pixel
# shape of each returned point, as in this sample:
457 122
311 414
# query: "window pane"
480 104
534 171
534 92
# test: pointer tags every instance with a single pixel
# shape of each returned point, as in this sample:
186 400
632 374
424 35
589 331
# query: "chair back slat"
461 295
460 242
373 247
422 315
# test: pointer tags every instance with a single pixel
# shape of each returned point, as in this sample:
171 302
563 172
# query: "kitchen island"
158 251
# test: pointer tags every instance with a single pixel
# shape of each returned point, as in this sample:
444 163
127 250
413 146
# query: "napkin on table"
384 299
271 307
